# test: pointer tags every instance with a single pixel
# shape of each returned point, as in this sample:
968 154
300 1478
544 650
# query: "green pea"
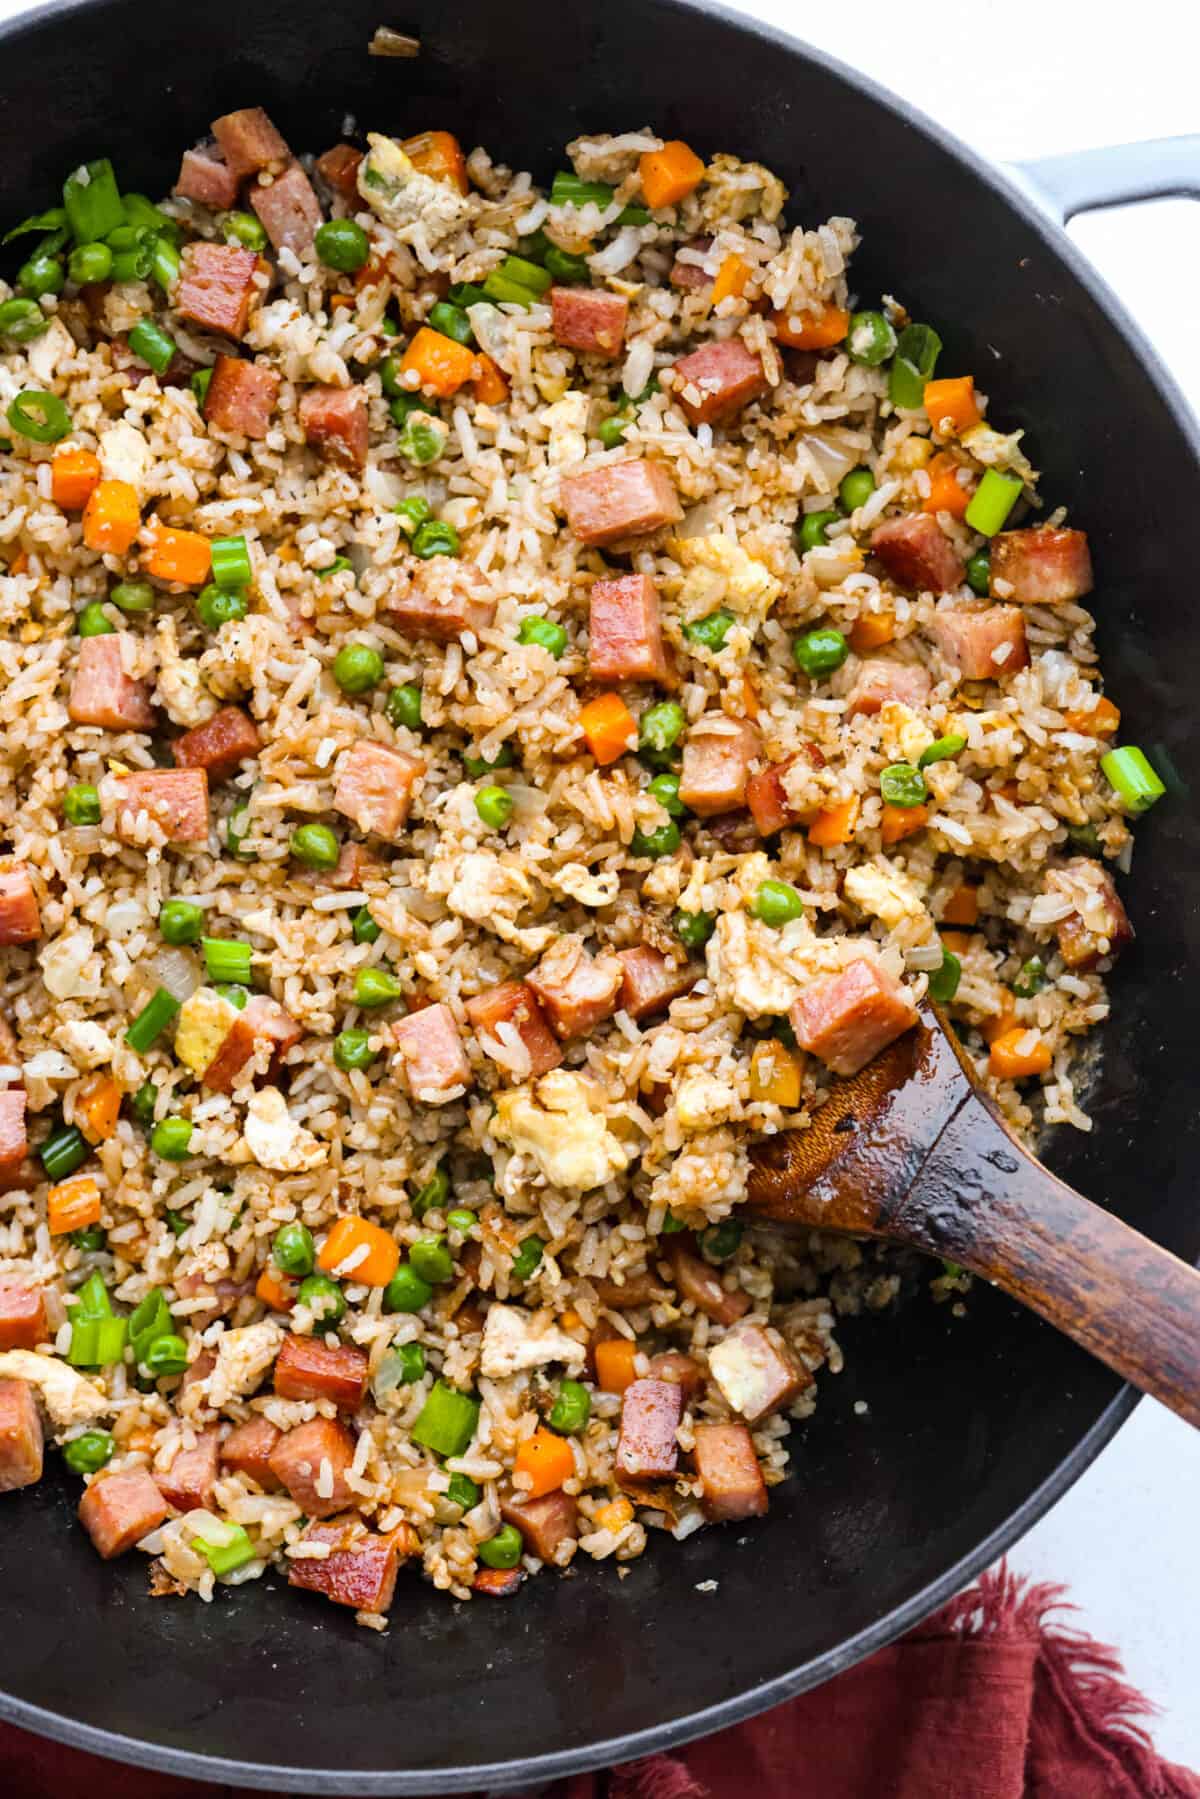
177 1222
435 538
710 632
903 785
323 1297
430 1259
870 339
364 926
527 1258
433 1195
90 263
357 668
463 1492
479 765
777 903
1031 979
316 846
571 1408
611 431
42 274
422 440
943 982
661 726
234 992
404 706
694 929
244 229
88 1453
352 1049
391 378
216 607
813 529
406 1291
21 320
293 1250
665 789
545 632
656 844
820 652
505 1549
410 1358
180 921
720 1241
375 987
451 321
133 596
167 1355
412 512
81 804
93 620
495 807
171 1138
979 573
343 245
460 1220
856 488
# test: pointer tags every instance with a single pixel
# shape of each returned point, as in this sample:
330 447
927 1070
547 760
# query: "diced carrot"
570 1320
97 1107
803 333
1101 721
614 1516
1001 1022
775 1073
439 155
20 563
951 406
835 824
370 273
175 555
489 387
438 362
1018 1054
349 1239
73 475
958 943
946 491
338 301
279 1294
546 1459
899 822
72 1205
731 280
750 705
609 726
111 517
670 174
870 631
614 1364
962 907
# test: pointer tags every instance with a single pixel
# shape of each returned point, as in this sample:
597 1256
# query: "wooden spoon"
909 1149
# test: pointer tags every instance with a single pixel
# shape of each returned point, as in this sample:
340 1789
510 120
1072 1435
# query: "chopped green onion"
237 829
22 320
711 631
64 1150
133 596
400 1367
435 538
565 266
171 1139
525 274
134 264
165 262
236 994
462 1490
447 1421
230 563
720 1241
941 750
140 210
528 1258
143 1103
568 189
154 347
152 1020
149 1321
92 201
333 568
41 416
870 339
903 785
232 1549
1030 979
992 501
200 384
96 1342
451 321
475 766
227 959
53 220
433 1195
466 293
943 982
91 1299
91 1237
177 1222
1129 771
917 350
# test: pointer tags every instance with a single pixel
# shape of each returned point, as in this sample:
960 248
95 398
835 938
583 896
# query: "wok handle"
1114 175
983 1201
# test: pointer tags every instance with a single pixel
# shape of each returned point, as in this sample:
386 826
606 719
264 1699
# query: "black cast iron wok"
974 1426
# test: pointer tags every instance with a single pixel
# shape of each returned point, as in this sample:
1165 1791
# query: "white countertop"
1048 76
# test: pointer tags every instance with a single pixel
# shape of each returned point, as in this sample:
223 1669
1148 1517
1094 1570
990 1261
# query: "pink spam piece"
375 786
718 380
624 499
175 799
847 1018
984 645
335 422
916 552
625 641
879 680
241 397
119 1509
220 745
20 914
435 1062
215 289
514 1003
588 319
1042 566
102 693
718 755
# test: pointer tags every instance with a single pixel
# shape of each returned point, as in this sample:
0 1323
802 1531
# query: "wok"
975 1426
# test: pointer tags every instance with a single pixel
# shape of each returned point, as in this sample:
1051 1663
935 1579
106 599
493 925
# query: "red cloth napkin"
993 1698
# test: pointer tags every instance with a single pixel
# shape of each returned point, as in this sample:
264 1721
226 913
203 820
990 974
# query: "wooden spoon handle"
980 1200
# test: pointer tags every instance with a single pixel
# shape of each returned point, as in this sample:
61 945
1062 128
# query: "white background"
1018 79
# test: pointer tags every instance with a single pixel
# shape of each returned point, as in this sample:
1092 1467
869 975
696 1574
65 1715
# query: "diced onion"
178 972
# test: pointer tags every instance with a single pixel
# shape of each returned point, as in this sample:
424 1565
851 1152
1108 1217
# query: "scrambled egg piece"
181 686
903 737
511 1345
884 892
702 1100
125 455
995 450
204 1022
590 887
67 1396
88 1045
243 1357
274 1138
567 419
721 573
757 971
408 201
554 1124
